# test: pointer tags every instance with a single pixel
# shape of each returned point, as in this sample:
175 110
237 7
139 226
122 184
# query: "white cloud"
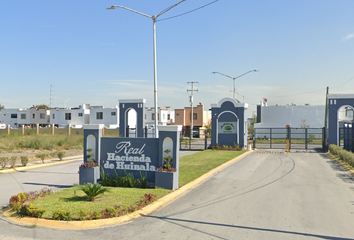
349 36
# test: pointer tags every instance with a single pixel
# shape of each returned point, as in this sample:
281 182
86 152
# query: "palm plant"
92 190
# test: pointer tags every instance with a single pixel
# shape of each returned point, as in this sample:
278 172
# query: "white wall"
163 116
5 117
78 116
110 116
280 116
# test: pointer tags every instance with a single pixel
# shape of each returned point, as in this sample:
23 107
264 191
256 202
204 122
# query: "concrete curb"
65 160
160 203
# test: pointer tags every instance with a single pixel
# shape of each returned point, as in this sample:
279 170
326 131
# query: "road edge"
91 224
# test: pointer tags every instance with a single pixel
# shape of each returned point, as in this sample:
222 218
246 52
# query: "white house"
15 117
165 116
107 116
76 117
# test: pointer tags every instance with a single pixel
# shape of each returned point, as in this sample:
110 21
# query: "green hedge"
343 155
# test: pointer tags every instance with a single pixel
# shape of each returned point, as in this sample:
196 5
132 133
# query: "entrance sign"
134 155
138 156
227 127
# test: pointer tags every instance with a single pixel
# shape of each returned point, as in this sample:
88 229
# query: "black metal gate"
299 138
201 140
346 136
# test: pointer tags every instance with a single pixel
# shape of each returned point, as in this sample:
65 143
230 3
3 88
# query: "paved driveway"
266 195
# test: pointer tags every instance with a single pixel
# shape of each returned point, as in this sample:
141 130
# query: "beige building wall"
201 117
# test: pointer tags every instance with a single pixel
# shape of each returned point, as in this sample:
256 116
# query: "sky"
67 53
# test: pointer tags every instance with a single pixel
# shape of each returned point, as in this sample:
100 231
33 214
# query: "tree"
42 106
251 126
303 123
2 106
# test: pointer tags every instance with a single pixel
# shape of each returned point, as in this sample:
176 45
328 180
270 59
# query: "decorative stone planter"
168 180
89 175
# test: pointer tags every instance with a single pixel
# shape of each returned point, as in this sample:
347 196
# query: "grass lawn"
193 166
74 200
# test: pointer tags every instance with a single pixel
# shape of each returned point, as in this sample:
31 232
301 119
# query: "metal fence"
299 138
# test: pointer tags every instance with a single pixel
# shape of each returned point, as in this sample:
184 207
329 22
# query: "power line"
188 11
343 83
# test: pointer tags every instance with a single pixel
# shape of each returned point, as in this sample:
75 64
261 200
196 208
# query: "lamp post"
234 78
153 17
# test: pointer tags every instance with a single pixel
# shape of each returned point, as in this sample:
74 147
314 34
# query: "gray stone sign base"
168 180
89 175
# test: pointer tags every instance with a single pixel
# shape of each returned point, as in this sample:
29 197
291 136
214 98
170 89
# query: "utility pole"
325 122
191 101
50 98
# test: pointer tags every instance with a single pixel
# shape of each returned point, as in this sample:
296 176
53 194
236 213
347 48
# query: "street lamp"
153 17
234 91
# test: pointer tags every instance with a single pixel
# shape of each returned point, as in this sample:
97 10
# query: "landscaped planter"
89 175
168 180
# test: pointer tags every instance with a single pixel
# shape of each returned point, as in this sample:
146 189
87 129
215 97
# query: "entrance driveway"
265 195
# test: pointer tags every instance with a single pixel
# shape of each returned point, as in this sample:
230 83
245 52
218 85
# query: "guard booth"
340 119
229 125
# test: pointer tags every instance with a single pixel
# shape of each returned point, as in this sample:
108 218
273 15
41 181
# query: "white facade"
295 116
15 117
165 116
63 117
107 116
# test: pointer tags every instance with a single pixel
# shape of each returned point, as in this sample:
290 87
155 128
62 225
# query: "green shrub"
342 154
109 213
24 160
42 156
31 211
94 215
13 161
3 162
92 190
62 215
82 214
60 155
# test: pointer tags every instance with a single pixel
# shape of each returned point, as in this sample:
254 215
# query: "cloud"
349 36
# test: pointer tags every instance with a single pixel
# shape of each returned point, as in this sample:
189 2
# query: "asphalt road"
54 177
266 195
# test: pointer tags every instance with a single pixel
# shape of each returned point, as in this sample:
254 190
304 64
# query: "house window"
113 113
53 116
168 116
194 116
33 116
177 114
67 116
23 116
42 116
99 115
153 116
80 114
13 115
